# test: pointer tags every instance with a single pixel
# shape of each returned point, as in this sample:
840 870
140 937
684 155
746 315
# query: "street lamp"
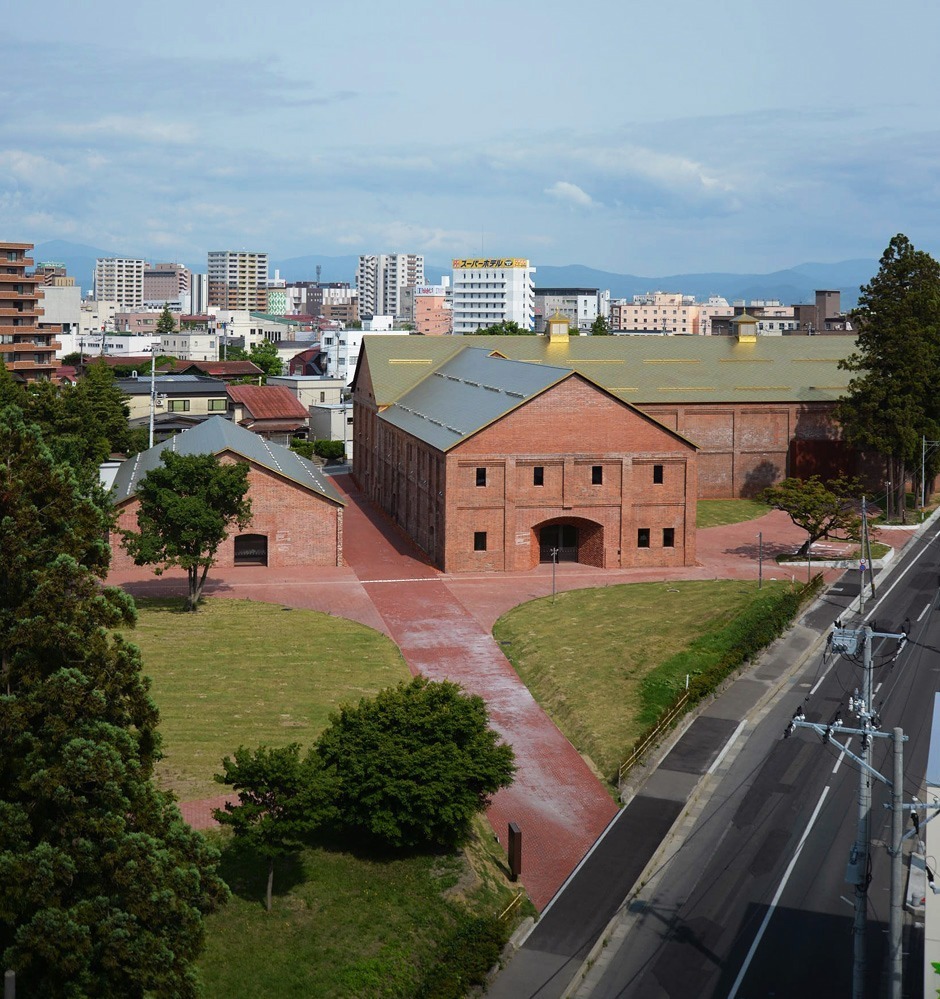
554 565
760 559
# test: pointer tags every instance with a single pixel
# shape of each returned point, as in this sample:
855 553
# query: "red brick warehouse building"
759 408
296 514
490 463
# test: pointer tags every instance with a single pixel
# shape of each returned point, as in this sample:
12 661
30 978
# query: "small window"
643 537
597 475
479 541
178 406
218 405
538 476
481 481
658 474
669 537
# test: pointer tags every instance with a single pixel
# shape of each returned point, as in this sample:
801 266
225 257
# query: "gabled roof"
268 402
218 369
467 393
638 369
474 389
215 436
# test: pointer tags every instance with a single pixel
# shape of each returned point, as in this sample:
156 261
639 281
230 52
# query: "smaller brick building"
494 464
297 515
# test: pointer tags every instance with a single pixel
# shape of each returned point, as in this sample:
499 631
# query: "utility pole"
859 854
850 642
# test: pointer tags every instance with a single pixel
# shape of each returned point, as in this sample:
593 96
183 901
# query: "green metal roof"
638 369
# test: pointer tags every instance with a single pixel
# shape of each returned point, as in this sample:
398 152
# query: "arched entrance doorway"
563 537
575 538
251 549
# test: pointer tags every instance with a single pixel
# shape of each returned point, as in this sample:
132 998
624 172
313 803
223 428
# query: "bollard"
515 851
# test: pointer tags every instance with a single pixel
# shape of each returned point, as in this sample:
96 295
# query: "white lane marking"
924 611
727 746
848 742
823 677
773 905
878 687
910 566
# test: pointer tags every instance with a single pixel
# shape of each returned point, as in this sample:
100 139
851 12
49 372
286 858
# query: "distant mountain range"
794 285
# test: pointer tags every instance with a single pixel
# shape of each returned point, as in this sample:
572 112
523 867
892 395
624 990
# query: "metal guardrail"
661 725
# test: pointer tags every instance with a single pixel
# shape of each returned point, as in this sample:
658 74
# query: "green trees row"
103 887
407 769
81 424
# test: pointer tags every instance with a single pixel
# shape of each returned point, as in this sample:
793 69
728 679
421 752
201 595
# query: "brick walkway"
443 624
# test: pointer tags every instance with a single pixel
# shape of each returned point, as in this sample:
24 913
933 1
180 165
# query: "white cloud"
129 127
565 191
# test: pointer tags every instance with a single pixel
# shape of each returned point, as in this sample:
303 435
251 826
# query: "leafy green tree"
600 327
507 327
278 804
818 508
166 324
413 765
233 353
103 888
187 506
265 355
892 401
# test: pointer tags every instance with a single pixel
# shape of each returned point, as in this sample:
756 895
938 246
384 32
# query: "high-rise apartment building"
26 350
493 290
166 283
238 280
379 278
121 280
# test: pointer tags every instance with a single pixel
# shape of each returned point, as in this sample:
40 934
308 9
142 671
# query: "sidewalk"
443 625
568 939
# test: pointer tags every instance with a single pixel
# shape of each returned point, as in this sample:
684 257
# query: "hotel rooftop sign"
488 263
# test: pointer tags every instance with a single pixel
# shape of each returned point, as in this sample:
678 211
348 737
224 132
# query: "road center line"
904 572
773 905
816 685
842 754
727 746
924 611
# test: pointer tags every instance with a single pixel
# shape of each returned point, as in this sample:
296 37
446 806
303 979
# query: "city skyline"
667 140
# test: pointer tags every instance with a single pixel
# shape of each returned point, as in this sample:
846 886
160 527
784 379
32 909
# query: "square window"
481 476
538 476
669 537
643 537
658 474
597 475
479 541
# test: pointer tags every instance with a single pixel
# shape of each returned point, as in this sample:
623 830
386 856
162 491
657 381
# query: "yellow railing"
513 905
661 726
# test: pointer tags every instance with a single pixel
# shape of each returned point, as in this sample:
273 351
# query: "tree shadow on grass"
245 871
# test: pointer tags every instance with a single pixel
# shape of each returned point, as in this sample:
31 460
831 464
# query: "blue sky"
652 138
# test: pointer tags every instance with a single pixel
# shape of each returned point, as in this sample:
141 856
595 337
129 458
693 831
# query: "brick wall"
302 527
597 459
745 447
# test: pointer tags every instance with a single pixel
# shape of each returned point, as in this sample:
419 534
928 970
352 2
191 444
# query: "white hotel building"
493 290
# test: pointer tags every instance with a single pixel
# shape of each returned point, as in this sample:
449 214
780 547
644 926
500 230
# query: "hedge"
711 658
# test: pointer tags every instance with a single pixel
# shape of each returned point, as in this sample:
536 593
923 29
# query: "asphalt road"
754 902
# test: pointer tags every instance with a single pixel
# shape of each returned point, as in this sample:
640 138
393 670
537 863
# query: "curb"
675 834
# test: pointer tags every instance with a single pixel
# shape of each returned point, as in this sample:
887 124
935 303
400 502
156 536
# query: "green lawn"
585 657
244 673
715 513
343 924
